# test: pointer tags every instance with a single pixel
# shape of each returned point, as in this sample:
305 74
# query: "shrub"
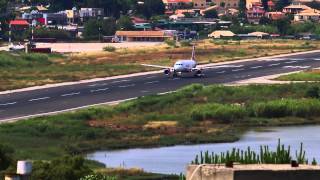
185 43
171 43
109 48
287 107
223 113
313 92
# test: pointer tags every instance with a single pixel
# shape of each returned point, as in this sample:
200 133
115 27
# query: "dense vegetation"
18 70
281 155
311 75
195 114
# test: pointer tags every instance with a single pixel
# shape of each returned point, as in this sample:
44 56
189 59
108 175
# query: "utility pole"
99 34
10 34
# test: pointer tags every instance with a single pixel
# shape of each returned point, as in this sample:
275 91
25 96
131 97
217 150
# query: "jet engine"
166 71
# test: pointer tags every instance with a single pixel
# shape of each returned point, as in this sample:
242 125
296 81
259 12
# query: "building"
307 15
275 15
201 4
177 4
221 34
255 13
152 36
295 8
59 18
249 3
73 16
19 24
87 13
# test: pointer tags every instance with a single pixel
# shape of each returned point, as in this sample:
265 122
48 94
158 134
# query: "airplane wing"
156 66
221 66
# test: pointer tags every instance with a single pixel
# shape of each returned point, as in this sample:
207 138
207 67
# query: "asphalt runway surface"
55 99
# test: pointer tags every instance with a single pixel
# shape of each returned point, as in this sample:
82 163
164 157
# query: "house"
307 15
34 15
59 18
73 16
152 36
275 15
19 24
258 34
249 3
221 34
177 4
295 8
87 13
255 13
202 4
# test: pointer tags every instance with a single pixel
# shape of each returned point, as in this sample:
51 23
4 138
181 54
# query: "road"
21 104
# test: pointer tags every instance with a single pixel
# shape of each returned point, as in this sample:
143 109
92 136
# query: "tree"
283 26
265 4
151 7
125 23
5 157
264 21
314 4
281 4
65 168
211 14
242 9
93 28
3 6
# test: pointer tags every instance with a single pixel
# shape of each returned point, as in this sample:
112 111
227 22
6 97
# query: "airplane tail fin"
193 53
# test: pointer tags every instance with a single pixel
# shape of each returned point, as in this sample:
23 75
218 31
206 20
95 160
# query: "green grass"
301 76
194 114
19 70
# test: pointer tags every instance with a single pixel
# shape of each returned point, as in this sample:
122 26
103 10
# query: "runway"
41 101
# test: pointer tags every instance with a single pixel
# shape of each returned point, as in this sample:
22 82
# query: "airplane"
18 47
180 67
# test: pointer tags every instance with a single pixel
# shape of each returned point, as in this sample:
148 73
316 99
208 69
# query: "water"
173 160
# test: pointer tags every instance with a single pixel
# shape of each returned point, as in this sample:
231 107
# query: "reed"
282 155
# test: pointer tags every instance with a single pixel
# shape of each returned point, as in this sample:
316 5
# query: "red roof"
271 3
19 22
179 1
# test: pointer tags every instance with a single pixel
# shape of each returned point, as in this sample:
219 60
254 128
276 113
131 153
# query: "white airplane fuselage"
184 65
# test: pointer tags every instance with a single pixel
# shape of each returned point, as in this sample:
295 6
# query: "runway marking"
316 59
174 79
143 91
290 62
7 104
70 94
274 64
94 85
236 70
297 67
296 59
151 82
221 72
125 86
97 90
228 66
274 59
124 80
256 67
38 99
149 77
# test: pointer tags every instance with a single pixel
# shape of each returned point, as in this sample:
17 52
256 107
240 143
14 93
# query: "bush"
223 113
287 107
171 43
185 43
313 92
109 49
